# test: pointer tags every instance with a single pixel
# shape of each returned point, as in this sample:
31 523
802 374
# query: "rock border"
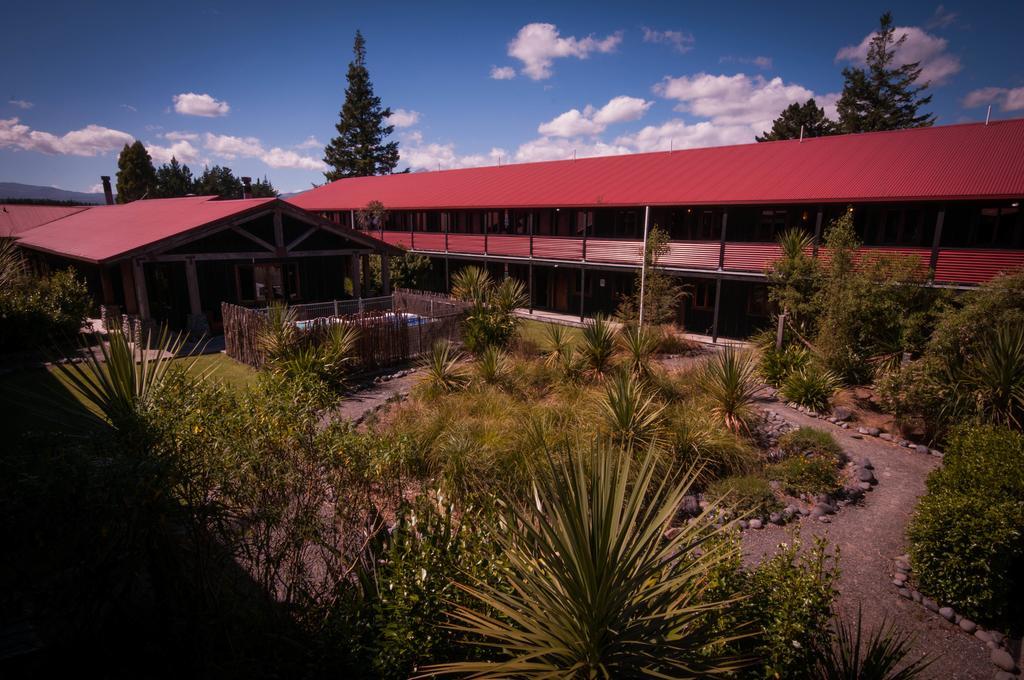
997 642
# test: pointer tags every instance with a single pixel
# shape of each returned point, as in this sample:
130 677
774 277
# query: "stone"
866 463
826 508
886 436
997 637
833 420
842 413
755 524
775 518
1002 659
904 593
935 452
817 512
872 431
921 448
930 604
865 486
968 626
744 524
862 430
789 511
916 596
690 506
853 492
805 511
866 475
825 519
856 436
899 577
946 613
671 533
983 635
845 426
1005 675
898 584
902 566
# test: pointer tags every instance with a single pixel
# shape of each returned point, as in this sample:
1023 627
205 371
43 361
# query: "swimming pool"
410 319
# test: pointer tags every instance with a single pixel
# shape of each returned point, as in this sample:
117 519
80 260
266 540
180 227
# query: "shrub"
697 438
967 533
810 386
877 657
443 373
806 474
729 381
749 494
806 440
492 366
491 320
775 365
636 345
629 413
597 344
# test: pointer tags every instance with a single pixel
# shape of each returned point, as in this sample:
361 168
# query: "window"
267 282
703 296
772 222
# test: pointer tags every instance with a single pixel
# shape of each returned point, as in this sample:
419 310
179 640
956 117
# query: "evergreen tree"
883 96
359 149
808 116
263 189
174 180
219 181
136 177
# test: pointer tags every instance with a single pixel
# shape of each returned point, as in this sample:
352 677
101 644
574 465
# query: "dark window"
703 296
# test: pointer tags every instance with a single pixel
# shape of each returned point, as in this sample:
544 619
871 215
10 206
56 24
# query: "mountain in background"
33 192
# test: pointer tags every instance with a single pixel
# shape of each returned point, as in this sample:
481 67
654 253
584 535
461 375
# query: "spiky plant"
122 378
996 377
729 381
492 366
557 342
329 356
636 346
882 656
472 284
12 265
595 590
629 411
597 345
811 386
279 335
442 370
795 242
508 296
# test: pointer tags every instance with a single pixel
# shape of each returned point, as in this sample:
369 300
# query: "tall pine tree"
136 177
219 181
808 116
359 149
263 188
174 180
883 96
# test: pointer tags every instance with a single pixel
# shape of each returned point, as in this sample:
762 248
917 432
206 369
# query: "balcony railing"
953 266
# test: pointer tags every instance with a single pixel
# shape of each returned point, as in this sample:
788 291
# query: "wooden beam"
131 306
354 262
278 229
141 295
718 302
306 234
208 257
194 301
107 285
385 274
251 237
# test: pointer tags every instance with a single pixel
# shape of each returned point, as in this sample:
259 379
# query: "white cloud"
548 149
762 62
176 136
941 18
129 107
538 45
401 118
591 121
937 65
181 150
1007 99
503 72
192 104
231 147
436 156
677 134
311 143
95 189
282 158
739 99
91 140
680 42
20 103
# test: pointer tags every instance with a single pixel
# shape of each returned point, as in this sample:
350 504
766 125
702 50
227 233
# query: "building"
177 259
572 230
17 218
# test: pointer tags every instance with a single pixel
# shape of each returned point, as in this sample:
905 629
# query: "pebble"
1002 659
904 593
866 475
845 426
996 635
775 518
930 604
947 613
983 635
744 524
916 596
900 577
866 464
755 524
968 626
865 486
886 436
855 436
921 448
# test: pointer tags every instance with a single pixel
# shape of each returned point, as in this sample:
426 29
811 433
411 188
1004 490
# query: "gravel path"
356 405
869 536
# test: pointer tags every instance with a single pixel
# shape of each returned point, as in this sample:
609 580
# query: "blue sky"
257 86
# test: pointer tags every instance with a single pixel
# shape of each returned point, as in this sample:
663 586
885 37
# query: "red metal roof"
969 161
16 218
106 232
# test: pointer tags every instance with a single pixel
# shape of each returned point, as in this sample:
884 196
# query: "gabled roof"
16 218
970 161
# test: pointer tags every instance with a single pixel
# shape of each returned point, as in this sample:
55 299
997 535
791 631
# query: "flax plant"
598 344
636 347
729 381
630 415
443 371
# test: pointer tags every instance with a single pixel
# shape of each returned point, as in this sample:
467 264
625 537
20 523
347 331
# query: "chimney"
108 194
247 187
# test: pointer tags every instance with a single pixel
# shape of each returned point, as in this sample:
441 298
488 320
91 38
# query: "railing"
314 310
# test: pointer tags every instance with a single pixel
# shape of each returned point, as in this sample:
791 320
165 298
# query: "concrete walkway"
574 321
869 537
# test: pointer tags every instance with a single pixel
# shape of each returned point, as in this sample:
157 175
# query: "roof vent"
247 187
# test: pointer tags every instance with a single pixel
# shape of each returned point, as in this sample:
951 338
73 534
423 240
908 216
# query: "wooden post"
141 296
817 231
643 263
447 280
779 331
279 233
107 285
385 274
721 244
366 274
131 305
937 241
530 286
718 302
194 302
583 293
355 276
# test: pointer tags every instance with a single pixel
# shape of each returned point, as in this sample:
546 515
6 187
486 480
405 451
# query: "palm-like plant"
472 284
630 413
729 380
328 356
442 370
795 242
996 377
279 335
492 366
811 386
594 589
121 380
597 344
508 296
636 345
557 343
877 658
12 265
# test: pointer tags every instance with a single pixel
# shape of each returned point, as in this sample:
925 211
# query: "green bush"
749 494
810 440
776 365
967 534
38 312
806 474
810 386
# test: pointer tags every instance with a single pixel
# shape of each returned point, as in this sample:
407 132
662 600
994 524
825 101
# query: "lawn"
533 331
40 398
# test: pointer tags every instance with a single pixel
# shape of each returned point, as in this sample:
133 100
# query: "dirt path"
869 537
358 404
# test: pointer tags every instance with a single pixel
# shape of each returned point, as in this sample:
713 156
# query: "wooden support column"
131 305
107 285
385 274
194 303
447 280
141 296
279 233
937 241
721 243
817 230
718 302
530 286
366 274
583 292
353 272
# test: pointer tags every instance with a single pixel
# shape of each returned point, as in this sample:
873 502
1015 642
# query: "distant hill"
9 190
